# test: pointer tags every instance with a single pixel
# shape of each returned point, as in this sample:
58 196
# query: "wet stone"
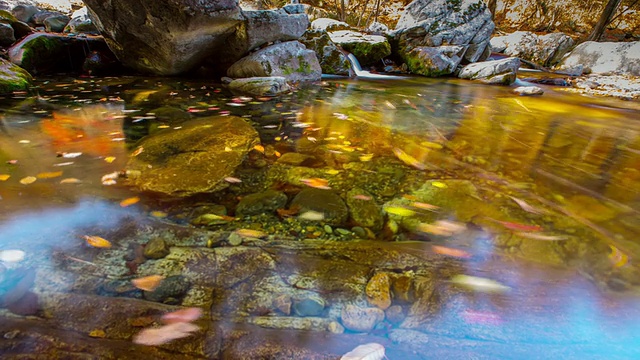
359 232
335 328
326 202
311 306
170 291
261 203
402 288
234 239
294 158
118 287
377 291
283 304
365 213
395 314
359 319
156 248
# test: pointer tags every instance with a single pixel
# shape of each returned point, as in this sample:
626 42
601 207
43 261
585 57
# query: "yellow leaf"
27 180
97 241
4 177
400 211
110 159
70 181
617 257
49 175
158 214
439 184
366 157
97 333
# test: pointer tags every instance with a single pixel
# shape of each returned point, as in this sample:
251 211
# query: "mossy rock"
13 78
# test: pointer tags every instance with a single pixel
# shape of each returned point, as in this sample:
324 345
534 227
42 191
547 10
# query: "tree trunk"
604 20
491 4
343 15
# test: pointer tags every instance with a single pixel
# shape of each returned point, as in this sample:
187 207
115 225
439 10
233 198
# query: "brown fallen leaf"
148 283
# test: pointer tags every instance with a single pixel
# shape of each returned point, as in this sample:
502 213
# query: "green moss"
13 78
7 17
38 47
304 67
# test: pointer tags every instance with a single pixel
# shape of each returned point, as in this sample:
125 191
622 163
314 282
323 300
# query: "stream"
506 226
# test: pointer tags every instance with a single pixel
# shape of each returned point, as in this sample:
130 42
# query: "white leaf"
370 351
164 334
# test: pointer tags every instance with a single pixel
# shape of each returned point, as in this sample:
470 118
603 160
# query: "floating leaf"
97 241
366 157
424 206
408 159
110 159
148 283
70 181
130 201
479 284
439 185
362 197
97 333
165 334
158 214
258 148
28 180
442 228
526 207
517 226
182 315
4 177
316 183
49 175
617 257
12 256
542 237
137 151
250 233
443 250
370 351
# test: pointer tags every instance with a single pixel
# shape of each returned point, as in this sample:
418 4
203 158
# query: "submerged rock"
193 159
325 202
434 61
288 59
170 290
261 203
378 291
528 90
365 213
503 72
361 319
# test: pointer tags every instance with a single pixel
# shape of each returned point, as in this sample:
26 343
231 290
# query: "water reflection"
575 159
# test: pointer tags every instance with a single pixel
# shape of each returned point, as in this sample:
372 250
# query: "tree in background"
604 20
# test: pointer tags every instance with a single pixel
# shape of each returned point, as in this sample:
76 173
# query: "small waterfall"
357 70
355 65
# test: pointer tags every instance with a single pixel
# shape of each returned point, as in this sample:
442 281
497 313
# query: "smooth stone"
170 290
261 203
378 291
528 90
235 239
311 306
359 319
156 248
326 202
395 314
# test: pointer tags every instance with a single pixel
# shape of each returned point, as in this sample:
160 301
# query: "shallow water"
574 159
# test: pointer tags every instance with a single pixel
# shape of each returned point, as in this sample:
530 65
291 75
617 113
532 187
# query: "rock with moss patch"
332 60
289 59
13 78
327 24
195 158
434 61
170 291
368 49
46 53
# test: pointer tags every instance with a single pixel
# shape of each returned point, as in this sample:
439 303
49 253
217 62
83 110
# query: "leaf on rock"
165 334
148 283
370 351
97 241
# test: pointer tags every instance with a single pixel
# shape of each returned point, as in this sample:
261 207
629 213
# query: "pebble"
395 314
342 231
328 229
335 327
234 239
360 232
359 319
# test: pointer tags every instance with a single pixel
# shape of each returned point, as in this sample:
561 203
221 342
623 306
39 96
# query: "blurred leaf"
370 351
97 241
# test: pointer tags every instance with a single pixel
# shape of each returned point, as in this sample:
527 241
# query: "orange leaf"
147 283
49 175
97 241
130 201
182 315
316 183
443 250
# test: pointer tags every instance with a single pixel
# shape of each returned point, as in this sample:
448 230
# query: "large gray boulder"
262 27
194 159
368 49
546 50
434 23
165 37
290 60
605 57
497 72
